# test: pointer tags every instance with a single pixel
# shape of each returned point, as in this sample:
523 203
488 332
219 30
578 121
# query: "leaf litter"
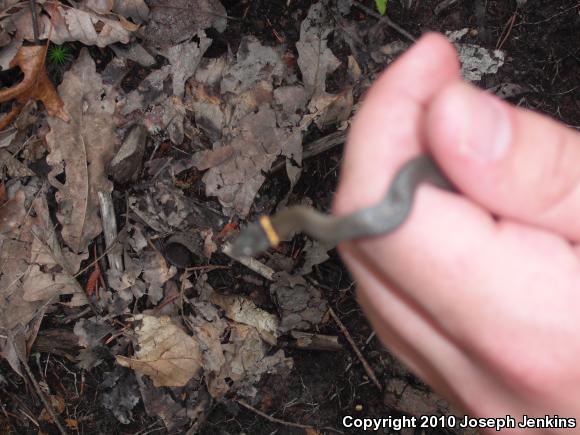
216 124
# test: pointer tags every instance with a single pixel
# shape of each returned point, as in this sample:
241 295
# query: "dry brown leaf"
184 59
12 213
206 159
156 273
31 261
99 6
166 27
135 9
165 352
36 85
315 59
64 24
81 150
56 403
256 142
246 360
243 310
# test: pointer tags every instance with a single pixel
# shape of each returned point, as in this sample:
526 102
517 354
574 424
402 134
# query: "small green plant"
381 6
59 54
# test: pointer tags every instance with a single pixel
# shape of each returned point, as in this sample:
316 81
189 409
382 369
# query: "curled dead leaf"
166 353
36 85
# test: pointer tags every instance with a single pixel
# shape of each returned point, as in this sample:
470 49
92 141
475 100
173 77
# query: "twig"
109 222
42 396
316 147
385 19
75 316
368 369
250 263
92 263
34 20
506 33
282 422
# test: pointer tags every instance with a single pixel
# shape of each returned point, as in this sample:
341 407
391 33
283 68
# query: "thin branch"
368 369
42 397
282 422
250 263
384 19
34 20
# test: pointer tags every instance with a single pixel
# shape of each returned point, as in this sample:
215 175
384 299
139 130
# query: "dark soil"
543 54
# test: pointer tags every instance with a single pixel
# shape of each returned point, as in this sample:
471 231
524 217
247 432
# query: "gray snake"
381 218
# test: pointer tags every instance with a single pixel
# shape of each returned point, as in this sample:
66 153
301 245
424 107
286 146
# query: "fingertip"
468 124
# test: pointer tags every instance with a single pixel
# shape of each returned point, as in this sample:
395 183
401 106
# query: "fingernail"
486 128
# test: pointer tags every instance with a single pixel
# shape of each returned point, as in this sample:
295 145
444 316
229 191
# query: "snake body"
380 218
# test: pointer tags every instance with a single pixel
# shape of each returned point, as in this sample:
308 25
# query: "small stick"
316 147
34 20
250 263
385 19
506 33
282 422
42 396
369 371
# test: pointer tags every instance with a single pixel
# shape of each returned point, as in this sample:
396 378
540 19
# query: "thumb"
515 163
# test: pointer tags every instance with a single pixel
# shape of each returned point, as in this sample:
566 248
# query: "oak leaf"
166 353
81 150
36 85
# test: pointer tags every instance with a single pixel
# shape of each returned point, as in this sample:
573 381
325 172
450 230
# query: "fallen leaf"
163 404
71 423
243 310
57 404
149 92
135 9
7 53
128 161
69 24
254 63
316 252
236 360
246 360
164 352
257 141
317 62
301 305
81 150
134 52
99 6
36 85
184 59
166 27
12 212
31 262
206 159
477 61
156 272
122 396
315 59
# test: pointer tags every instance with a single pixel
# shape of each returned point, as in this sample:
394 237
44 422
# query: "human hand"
479 293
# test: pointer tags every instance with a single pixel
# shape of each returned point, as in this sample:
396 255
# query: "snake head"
251 241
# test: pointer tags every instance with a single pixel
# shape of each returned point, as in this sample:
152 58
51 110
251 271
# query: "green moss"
59 54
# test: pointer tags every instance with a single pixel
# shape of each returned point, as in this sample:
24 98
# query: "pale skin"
478 292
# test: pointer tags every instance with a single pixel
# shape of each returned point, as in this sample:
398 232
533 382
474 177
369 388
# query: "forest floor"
222 112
